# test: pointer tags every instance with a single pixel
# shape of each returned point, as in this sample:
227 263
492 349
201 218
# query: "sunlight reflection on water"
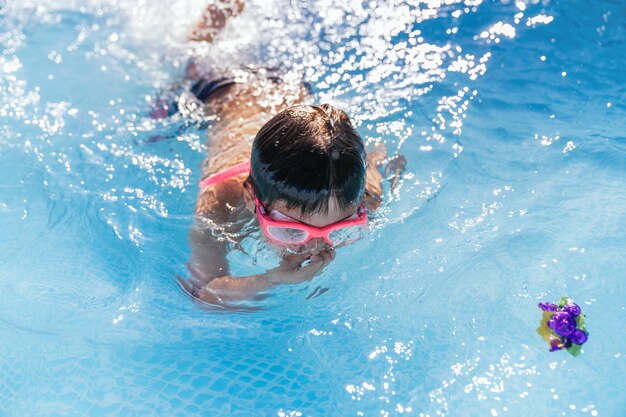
513 193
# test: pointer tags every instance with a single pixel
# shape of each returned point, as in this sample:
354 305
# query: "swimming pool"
511 116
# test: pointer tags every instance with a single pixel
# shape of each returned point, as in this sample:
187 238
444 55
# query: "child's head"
309 160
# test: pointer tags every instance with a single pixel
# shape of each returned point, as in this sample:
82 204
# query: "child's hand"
297 268
396 166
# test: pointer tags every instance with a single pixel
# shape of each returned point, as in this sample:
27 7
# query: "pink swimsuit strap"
231 172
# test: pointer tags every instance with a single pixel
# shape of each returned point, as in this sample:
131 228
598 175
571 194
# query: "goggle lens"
287 234
346 235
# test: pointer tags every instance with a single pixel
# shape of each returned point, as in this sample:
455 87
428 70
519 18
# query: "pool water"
512 117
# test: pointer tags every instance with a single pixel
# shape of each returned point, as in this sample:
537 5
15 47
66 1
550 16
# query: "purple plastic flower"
562 315
563 323
579 337
546 306
572 309
565 326
556 317
552 323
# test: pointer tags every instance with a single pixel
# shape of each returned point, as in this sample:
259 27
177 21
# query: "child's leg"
214 19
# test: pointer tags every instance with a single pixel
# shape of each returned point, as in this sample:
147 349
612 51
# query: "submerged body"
242 108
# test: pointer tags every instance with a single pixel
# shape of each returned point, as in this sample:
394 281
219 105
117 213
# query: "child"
304 175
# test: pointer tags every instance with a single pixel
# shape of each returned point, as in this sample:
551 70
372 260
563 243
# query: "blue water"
512 119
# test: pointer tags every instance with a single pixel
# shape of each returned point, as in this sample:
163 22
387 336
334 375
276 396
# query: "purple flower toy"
562 326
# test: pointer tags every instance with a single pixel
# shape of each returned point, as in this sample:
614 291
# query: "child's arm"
291 271
214 19
212 282
373 178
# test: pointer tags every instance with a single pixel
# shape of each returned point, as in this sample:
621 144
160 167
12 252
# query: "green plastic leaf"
565 300
574 350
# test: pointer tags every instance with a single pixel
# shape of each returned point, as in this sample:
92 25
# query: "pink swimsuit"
221 176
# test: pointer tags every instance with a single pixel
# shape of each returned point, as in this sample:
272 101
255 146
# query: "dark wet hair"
306 155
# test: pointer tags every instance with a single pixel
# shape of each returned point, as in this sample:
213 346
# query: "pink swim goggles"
284 230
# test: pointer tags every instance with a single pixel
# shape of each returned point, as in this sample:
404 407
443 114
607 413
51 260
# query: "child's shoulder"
219 201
